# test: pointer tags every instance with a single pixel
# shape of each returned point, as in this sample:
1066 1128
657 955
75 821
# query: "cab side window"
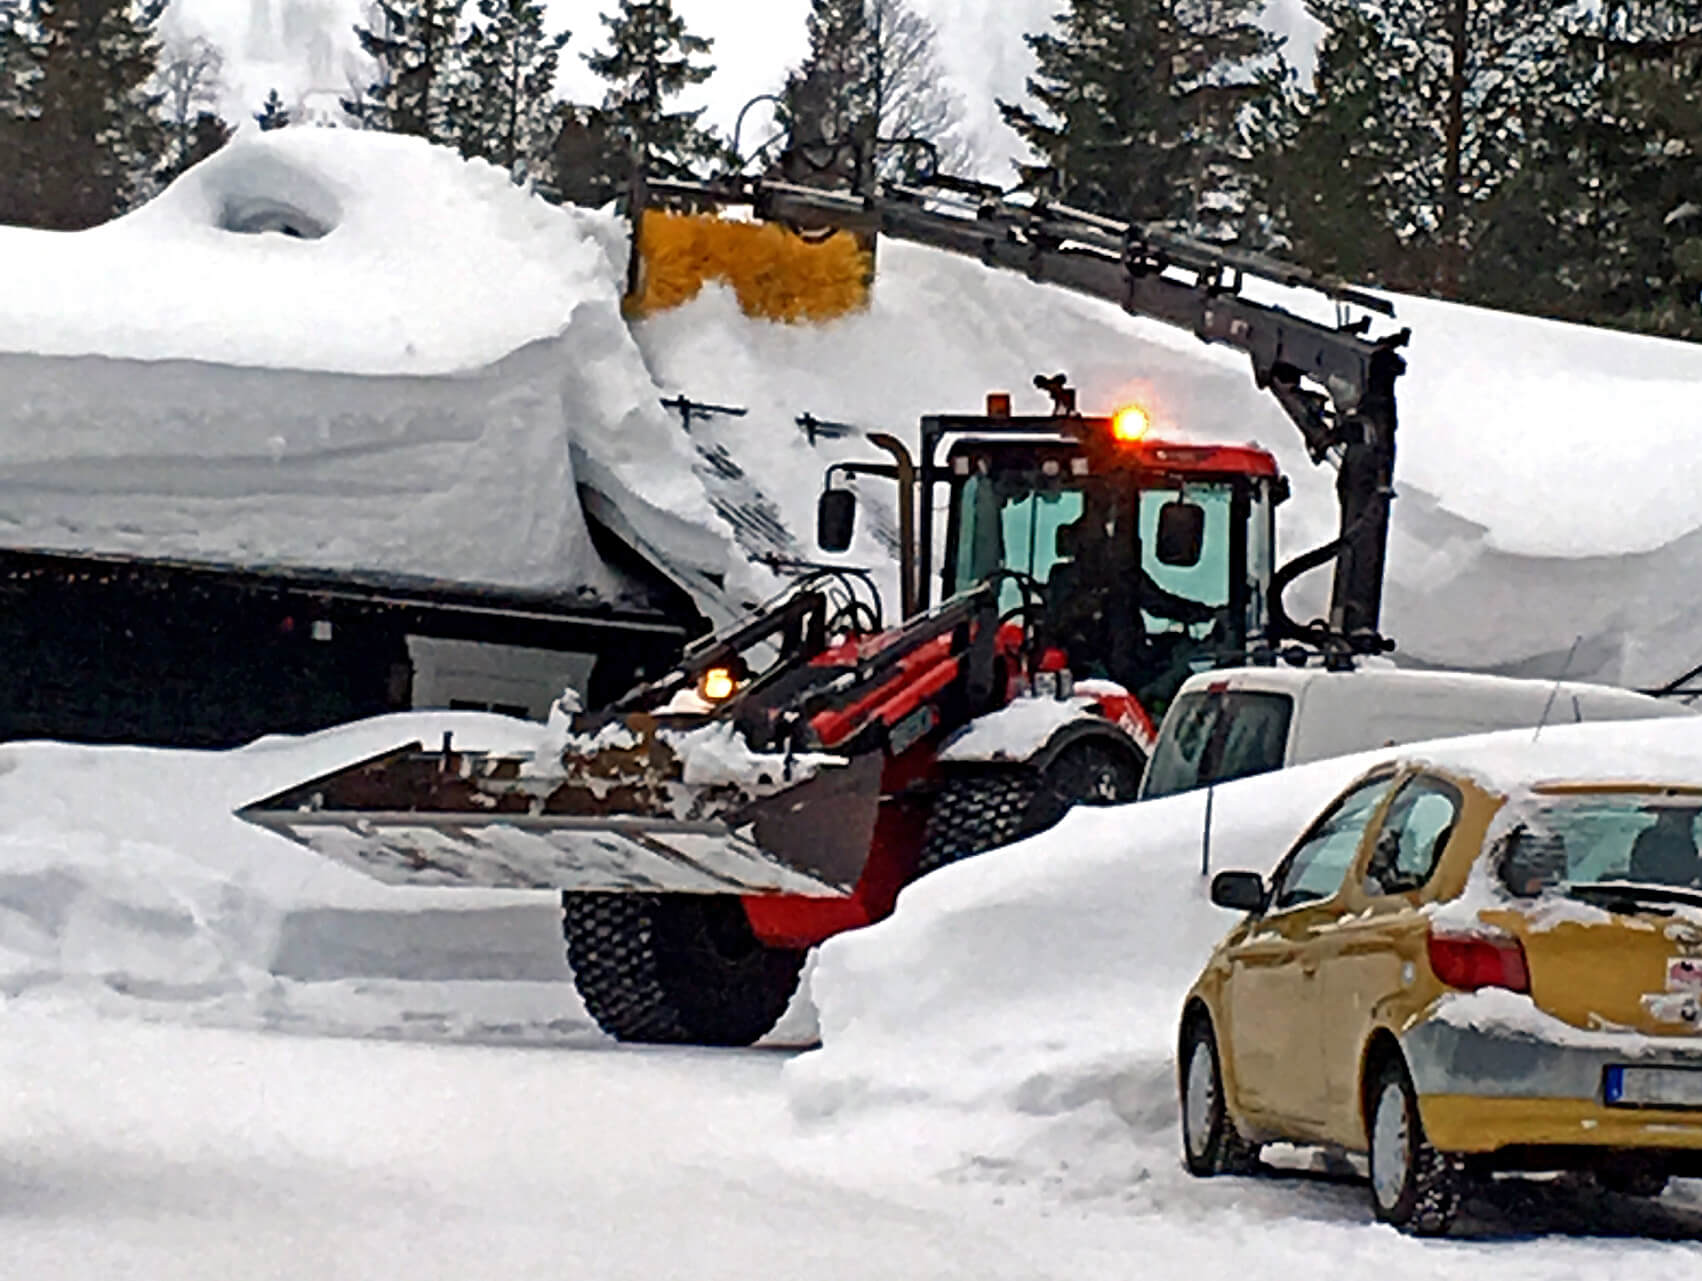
1415 831
1316 868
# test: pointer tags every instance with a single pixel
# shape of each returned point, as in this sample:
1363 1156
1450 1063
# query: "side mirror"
836 517
1181 533
1239 891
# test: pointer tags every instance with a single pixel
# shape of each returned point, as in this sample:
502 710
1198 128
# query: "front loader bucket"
776 273
613 818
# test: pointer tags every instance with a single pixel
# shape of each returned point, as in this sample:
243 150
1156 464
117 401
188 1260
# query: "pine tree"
1442 99
1141 104
1640 258
19 57
507 113
650 60
1327 187
872 73
20 60
414 45
829 99
84 141
589 163
273 114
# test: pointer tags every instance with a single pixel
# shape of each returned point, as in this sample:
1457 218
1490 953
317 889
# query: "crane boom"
1334 381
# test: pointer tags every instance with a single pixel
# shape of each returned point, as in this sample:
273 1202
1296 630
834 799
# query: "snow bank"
1019 1010
124 874
1016 1018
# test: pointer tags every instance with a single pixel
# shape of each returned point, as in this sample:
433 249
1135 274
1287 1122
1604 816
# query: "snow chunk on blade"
658 808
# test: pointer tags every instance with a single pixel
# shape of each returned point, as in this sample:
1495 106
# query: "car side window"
1415 831
1316 868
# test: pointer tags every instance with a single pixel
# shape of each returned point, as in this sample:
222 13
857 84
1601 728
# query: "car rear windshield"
1598 838
1213 736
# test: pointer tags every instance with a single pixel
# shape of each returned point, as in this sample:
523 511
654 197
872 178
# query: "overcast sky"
289 44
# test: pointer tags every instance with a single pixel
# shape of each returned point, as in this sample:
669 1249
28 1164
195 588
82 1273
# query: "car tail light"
1472 959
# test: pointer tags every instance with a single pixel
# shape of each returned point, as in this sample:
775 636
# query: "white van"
1240 721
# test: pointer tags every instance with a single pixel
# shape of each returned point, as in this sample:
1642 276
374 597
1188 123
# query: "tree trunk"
1451 230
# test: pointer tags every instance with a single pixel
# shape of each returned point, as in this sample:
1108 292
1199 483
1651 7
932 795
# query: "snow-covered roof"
459 366
337 350
399 258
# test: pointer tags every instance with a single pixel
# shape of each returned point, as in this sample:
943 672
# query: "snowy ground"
221 1056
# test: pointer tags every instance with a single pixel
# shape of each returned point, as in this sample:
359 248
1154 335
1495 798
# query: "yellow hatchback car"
1456 973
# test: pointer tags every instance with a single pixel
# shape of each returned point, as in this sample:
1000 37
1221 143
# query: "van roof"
1291 680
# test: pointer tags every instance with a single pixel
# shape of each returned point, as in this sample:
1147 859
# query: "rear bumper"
1481 1090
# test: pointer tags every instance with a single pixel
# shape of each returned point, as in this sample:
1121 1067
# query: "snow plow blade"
616 819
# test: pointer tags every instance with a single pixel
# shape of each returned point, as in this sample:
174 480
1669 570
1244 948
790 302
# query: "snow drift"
1016 1018
127 883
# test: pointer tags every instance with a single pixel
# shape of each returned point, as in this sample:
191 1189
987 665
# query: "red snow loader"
798 769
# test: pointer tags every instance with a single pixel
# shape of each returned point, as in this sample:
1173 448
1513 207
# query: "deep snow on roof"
1547 499
337 350
387 256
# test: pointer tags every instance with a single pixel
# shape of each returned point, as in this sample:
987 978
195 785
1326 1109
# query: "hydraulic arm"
1334 381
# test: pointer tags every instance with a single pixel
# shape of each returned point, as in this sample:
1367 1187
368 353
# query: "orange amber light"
717 685
1131 423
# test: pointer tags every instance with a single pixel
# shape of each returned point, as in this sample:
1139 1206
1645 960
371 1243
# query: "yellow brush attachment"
777 274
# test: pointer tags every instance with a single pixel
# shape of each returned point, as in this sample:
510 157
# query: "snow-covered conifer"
506 109
273 114
84 140
414 46
1426 108
650 59
1139 108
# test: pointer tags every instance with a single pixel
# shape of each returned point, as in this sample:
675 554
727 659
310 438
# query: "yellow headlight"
717 685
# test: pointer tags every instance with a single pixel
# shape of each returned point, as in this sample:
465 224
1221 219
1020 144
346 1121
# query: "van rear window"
1216 736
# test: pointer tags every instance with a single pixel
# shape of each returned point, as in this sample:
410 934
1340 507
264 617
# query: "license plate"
1652 1087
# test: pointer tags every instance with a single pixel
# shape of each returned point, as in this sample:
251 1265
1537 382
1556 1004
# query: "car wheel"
1413 1186
1210 1142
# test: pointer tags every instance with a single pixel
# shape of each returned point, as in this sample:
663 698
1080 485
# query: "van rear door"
1214 735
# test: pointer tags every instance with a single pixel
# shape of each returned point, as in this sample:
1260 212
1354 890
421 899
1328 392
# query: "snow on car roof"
1667 751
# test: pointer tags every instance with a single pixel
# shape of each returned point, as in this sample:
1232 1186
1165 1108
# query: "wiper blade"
1638 892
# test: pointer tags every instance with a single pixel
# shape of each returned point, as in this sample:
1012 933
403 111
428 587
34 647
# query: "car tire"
1211 1143
1413 1186
981 809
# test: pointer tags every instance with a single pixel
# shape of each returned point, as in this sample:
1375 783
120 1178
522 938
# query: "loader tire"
983 809
675 969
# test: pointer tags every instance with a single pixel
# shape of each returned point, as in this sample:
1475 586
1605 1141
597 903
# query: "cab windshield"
1091 545
1036 531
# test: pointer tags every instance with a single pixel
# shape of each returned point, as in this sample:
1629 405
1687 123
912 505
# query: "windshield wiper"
1641 893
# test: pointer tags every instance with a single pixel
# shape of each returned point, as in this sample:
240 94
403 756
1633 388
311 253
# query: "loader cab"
1143 561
